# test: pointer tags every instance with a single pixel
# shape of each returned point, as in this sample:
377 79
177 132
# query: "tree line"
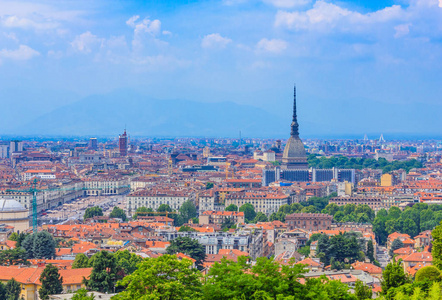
412 220
344 162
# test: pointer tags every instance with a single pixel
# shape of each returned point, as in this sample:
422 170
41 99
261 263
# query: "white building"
268 155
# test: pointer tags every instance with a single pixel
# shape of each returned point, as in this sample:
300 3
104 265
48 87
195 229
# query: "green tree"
393 276
249 212
396 244
164 208
93 212
82 294
409 227
51 282
430 273
28 245
185 228
227 224
13 289
16 256
104 272
80 261
394 212
436 250
162 278
2 291
379 229
370 251
260 217
363 291
209 185
188 246
187 211
231 207
127 261
18 237
118 213
44 245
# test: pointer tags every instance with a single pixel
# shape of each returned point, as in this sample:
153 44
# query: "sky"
350 59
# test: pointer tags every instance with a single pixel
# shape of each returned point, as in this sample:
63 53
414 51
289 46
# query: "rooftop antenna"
240 138
381 138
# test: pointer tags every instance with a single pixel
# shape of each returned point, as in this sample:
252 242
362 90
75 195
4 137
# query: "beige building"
387 180
268 155
14 214
218 217
267 203
99 186
153 199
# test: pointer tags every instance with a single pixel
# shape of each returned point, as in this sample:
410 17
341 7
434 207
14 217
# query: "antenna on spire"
295 126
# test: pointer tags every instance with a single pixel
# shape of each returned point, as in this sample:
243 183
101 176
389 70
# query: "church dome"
294 148
10 205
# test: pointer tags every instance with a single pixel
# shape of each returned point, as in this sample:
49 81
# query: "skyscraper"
122 144
93 143
294 156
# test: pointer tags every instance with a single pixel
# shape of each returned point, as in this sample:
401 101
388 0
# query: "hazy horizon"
361 67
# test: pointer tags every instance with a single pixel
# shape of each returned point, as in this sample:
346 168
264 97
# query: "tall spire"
295 126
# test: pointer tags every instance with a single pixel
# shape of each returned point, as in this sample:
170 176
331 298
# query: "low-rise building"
219 217
309 221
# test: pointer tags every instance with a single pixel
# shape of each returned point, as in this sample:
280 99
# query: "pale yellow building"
14 214
387 180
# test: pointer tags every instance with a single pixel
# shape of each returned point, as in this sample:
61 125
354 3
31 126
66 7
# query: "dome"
294 148
10 205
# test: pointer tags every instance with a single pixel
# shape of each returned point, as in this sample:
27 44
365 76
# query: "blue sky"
345 56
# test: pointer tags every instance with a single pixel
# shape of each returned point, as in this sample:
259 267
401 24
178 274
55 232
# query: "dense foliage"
93 212
105 273
18 238
344 162
166 277
411 220
39 245
11 290
189 247
340 250
16 256
51 282
249 212
118 213
231 207
82 294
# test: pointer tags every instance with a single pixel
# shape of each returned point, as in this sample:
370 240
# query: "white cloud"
25 23
85 42
287 3
440 3
272 46
402 30
325 16
22 53
132 20
151 27
215 40
11 36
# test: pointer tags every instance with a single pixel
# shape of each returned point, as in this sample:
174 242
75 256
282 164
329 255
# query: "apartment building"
154 198
267 203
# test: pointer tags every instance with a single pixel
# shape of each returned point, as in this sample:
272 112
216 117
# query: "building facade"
308 221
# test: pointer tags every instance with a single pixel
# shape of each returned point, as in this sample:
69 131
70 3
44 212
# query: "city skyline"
361 67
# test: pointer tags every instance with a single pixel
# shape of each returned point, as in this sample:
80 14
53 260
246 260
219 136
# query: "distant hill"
143 116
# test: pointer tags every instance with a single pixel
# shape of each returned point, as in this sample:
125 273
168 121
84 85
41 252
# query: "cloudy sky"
345 56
